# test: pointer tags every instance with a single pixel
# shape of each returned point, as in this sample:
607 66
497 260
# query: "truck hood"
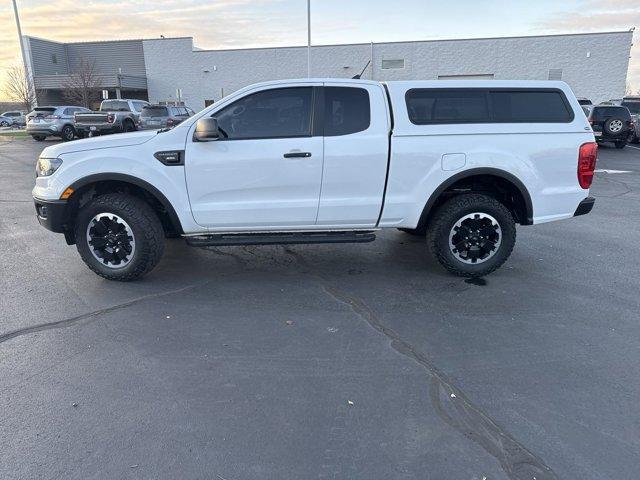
106 141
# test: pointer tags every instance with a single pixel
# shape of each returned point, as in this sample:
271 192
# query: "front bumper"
585 206
52 214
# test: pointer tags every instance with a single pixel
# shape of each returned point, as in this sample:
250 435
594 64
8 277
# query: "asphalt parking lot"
342 361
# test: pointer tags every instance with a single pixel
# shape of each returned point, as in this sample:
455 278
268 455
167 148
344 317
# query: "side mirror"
206 130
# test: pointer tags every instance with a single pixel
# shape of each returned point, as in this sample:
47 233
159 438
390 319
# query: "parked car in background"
154 117
329 161
587 109
633 104
6 121
114 116
55 121
612 123
17 116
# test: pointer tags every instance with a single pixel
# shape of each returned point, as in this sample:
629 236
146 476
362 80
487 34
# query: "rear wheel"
4 123
68 133
128 126
471 235
119 236
39 138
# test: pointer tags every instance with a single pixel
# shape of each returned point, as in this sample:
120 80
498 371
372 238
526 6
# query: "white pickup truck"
329 161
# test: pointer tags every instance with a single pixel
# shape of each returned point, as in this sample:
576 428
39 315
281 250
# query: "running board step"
294 238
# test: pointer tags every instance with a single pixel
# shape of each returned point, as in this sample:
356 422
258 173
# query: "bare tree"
83 86
19 87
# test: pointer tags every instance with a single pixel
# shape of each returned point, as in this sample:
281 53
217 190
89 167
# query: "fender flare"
528 220
121 177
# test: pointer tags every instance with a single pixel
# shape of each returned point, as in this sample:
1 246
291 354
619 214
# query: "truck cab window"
278 113
346 111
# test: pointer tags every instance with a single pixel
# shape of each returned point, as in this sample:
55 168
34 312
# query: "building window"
393 64
555 74
54 58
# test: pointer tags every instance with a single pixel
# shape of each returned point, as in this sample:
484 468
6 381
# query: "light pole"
308 37
24 57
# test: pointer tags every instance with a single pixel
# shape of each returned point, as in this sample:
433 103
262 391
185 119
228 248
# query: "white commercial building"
595 65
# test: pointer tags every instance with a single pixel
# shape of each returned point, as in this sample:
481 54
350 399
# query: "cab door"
356 128
266 172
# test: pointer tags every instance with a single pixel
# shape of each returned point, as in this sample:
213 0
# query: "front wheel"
119 236
471 235
621 144
39 138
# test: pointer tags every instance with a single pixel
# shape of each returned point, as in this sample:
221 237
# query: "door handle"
297 155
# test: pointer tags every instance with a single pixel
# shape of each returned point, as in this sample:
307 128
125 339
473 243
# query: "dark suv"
161 116
633 104
612 123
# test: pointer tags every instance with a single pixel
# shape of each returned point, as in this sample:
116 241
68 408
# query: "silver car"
43 122
154 117
6 121
17 117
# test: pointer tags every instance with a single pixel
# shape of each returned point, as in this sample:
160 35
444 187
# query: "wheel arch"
521 206
106 182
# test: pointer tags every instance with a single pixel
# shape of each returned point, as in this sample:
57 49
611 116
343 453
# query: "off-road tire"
146 227
446 216
39 138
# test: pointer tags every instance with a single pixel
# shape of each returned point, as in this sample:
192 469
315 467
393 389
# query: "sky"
265 23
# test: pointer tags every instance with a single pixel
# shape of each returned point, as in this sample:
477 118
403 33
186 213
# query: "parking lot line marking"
631 146
607 170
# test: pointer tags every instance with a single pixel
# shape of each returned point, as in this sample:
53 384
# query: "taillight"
111 118
587 163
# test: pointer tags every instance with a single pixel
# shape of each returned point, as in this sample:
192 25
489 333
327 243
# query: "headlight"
46 166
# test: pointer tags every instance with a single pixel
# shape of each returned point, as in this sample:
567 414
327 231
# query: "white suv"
328 161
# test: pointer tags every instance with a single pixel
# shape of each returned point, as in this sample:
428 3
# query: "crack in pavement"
67 322
451 404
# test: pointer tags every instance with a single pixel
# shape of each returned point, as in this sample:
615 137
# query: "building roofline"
105 41
198 49
413 41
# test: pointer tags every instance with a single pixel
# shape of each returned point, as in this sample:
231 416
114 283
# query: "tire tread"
140 213
443 216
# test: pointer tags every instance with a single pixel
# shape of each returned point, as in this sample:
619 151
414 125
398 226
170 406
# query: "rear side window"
534 107
346 111
450 106
447 106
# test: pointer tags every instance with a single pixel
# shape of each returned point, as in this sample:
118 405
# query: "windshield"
154 112
634 107
114 106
